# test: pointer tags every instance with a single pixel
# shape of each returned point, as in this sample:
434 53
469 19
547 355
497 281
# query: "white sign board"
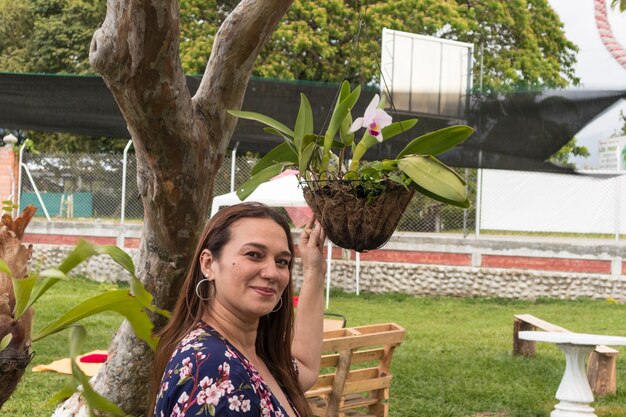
427 75
612 153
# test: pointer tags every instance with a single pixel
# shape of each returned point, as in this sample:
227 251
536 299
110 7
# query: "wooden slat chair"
602 366
356 375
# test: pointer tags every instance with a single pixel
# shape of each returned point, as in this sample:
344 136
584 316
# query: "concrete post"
8 169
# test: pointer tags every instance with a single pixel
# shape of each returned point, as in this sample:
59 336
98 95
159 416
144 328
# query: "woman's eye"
283 262
255 255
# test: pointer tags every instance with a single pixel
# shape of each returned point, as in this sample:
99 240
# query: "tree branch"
236 46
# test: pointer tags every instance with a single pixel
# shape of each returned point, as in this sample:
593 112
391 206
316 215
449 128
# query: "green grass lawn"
455 360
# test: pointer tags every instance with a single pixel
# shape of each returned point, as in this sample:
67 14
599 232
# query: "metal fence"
91 187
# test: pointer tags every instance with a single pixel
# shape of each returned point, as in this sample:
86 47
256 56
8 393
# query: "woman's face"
253 269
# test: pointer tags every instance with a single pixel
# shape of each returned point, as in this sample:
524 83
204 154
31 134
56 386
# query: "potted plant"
358 203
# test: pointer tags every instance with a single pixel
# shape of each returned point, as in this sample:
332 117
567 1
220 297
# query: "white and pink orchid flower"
374 120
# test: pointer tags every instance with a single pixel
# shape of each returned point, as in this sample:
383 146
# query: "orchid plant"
323 157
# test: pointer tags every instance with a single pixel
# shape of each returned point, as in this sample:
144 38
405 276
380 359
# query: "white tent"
282 191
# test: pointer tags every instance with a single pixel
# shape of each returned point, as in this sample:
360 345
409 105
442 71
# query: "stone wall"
415 279
435 280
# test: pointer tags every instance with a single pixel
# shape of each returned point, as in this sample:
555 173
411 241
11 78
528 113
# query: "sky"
596 68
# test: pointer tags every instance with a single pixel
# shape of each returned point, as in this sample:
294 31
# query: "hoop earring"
198 292
280 305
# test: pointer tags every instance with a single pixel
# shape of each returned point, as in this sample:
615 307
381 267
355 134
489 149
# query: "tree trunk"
179 142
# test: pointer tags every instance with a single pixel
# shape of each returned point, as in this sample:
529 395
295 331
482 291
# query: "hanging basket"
350 219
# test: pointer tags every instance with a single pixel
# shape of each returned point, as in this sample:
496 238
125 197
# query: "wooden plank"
542 324
373 339
339 382
359 356
353 387
365 373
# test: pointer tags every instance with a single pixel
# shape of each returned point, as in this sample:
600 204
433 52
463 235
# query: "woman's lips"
266 292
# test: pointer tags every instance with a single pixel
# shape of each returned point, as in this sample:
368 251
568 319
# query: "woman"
231 346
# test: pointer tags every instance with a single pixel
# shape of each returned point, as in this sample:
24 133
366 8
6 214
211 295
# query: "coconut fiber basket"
350 219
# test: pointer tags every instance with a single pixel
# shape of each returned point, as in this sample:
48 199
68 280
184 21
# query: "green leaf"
346 138
259 178
306 157
64 393
22 288
118 255
119 301
5 268
94 400
369 141
434 179
437 142
258 117
83 251
344 91
47 279
340 112
280 154
396 128
5 341
304 122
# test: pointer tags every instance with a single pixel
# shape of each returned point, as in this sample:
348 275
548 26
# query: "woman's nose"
269 271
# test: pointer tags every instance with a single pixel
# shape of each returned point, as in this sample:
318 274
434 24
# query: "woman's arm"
307 342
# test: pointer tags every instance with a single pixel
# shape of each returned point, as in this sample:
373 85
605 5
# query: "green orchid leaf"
396 128
344 91
346 138
304 122
5 268
94 400
22 288
339 114
437 142
81 252
397 179
272 131
259 178
434 179
5 341
280 154
305 158
119 301
258 117
369 141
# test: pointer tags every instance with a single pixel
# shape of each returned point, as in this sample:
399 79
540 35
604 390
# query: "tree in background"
561 157
523 43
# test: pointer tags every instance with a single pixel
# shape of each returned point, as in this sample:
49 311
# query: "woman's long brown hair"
275 331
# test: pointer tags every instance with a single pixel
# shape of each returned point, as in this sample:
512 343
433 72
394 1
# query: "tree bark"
180 143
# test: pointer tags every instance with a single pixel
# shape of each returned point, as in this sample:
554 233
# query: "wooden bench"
602 366
355 375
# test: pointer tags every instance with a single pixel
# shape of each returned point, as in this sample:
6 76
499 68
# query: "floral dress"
207 376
